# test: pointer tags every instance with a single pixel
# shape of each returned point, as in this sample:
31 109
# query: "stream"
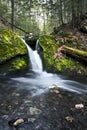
47 101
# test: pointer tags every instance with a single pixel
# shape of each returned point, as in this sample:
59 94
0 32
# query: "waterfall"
41 81
37 46
35 60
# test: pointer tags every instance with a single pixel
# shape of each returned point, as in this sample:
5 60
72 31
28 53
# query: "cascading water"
35 60
37 45
41 81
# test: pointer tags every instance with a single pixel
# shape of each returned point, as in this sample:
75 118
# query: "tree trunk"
61 15
73 12
12 14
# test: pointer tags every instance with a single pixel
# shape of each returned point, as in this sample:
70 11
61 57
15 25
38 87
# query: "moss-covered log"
75 53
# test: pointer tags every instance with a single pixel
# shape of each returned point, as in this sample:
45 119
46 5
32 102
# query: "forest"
42 15
43 64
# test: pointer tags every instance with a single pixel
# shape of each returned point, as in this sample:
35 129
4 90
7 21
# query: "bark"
61 14
75 53
12 15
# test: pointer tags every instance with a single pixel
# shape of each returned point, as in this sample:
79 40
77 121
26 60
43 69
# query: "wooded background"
40 16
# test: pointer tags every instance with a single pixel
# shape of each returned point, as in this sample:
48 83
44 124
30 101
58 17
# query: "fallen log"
75 53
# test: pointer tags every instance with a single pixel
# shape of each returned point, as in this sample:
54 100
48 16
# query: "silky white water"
35 60
39 81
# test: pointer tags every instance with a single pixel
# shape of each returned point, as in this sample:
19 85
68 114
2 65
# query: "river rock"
16 122
34 111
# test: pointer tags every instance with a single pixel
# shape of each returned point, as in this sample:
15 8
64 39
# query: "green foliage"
3 10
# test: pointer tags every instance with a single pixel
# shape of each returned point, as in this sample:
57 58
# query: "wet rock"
55 91
21 123
79 106
53 86
34 111
31 120
69 118
16 122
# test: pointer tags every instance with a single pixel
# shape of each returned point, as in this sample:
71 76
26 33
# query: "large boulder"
10 45
49 47
12 52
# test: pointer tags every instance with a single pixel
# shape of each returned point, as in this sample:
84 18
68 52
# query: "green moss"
60 64
49 47
78 52
48 43
17 63
10 45
66 64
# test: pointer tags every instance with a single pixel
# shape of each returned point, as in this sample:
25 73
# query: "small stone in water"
79 106
34 111
56 91
31 120
16 122
69 118
52 86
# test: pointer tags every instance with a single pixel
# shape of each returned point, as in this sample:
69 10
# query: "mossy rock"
49 47
14 65
10 45
69 66
60 64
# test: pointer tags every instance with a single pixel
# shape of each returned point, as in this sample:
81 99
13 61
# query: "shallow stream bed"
45 105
